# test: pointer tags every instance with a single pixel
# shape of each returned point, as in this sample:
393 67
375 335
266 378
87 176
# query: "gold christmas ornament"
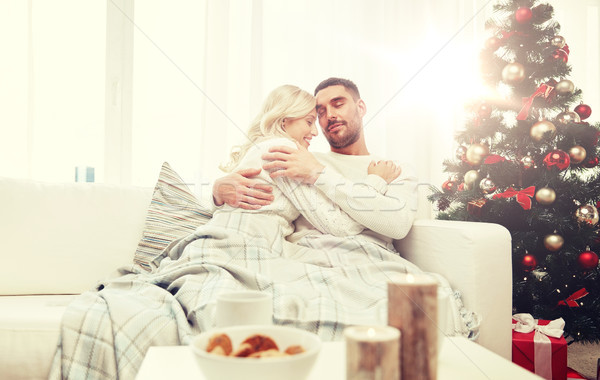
558 41
587 214
545 196
513 73
564 87
568 117
553 242
487 186
540 129
476 153
577 154
471 178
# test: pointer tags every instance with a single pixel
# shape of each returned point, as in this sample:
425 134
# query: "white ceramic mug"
246 307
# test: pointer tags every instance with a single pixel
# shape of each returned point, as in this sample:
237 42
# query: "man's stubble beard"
353 129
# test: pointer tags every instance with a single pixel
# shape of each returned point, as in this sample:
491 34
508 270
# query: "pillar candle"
412 308
372 353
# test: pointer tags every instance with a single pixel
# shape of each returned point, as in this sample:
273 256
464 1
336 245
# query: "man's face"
340 116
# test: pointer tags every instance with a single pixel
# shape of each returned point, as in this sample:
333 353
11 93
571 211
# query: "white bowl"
293 367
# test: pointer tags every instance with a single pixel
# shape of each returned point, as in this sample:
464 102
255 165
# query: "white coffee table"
459 359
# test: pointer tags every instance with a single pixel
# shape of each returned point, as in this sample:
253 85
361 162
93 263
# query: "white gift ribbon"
542 347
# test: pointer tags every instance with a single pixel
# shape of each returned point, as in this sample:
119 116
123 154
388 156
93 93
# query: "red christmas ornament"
561 54
590 163
493 43
523 15
485 111
587 260
449 186
528 263
557 158
583 110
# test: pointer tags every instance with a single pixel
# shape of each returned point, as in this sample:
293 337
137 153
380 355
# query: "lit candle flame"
371 332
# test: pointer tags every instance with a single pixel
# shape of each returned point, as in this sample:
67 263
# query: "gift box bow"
526 324
542 344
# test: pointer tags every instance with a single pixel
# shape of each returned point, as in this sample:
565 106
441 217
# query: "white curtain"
196 72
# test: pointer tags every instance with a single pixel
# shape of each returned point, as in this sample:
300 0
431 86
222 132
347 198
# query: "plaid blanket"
321 285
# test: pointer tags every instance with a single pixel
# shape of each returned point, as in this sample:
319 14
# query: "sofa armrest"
476 259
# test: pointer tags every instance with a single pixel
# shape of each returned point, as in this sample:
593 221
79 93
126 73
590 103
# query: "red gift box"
574 375
524 353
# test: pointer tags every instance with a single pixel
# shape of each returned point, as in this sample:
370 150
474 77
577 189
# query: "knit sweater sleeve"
385 209
317 208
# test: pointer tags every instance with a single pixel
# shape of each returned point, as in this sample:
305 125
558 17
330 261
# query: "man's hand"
385 169
298 164
239 189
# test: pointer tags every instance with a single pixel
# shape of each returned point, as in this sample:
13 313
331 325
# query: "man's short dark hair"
347 83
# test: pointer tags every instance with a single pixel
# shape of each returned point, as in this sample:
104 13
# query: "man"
371 191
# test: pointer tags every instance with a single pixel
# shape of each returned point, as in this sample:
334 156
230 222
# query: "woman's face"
302 129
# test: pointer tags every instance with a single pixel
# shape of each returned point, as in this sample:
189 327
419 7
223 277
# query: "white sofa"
60 239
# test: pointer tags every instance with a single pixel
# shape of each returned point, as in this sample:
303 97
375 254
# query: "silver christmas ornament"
587 214
487 185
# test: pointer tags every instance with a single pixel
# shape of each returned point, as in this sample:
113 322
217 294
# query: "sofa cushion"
173 213
61 238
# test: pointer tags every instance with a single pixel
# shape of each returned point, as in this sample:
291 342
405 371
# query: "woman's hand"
385 169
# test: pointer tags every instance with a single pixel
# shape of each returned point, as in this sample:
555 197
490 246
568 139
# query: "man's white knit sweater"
386 210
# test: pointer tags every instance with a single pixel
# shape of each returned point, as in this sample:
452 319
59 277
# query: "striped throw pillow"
173 213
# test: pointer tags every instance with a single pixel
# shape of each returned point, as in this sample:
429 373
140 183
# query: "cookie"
293 350
261 342
222 341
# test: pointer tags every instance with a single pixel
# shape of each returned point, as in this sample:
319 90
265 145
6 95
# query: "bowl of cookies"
256 352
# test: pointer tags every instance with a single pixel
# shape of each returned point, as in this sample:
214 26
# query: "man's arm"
390 213
388 210
297 164
239 189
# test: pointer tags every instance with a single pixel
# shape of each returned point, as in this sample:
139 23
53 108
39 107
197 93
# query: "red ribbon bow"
570 301
523 196
493 159
546 91
506 34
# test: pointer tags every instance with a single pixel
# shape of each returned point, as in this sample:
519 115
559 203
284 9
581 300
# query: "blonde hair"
284 102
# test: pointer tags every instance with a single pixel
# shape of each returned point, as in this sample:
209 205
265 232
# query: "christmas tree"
528 160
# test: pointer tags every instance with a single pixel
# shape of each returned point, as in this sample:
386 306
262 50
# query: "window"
55 94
